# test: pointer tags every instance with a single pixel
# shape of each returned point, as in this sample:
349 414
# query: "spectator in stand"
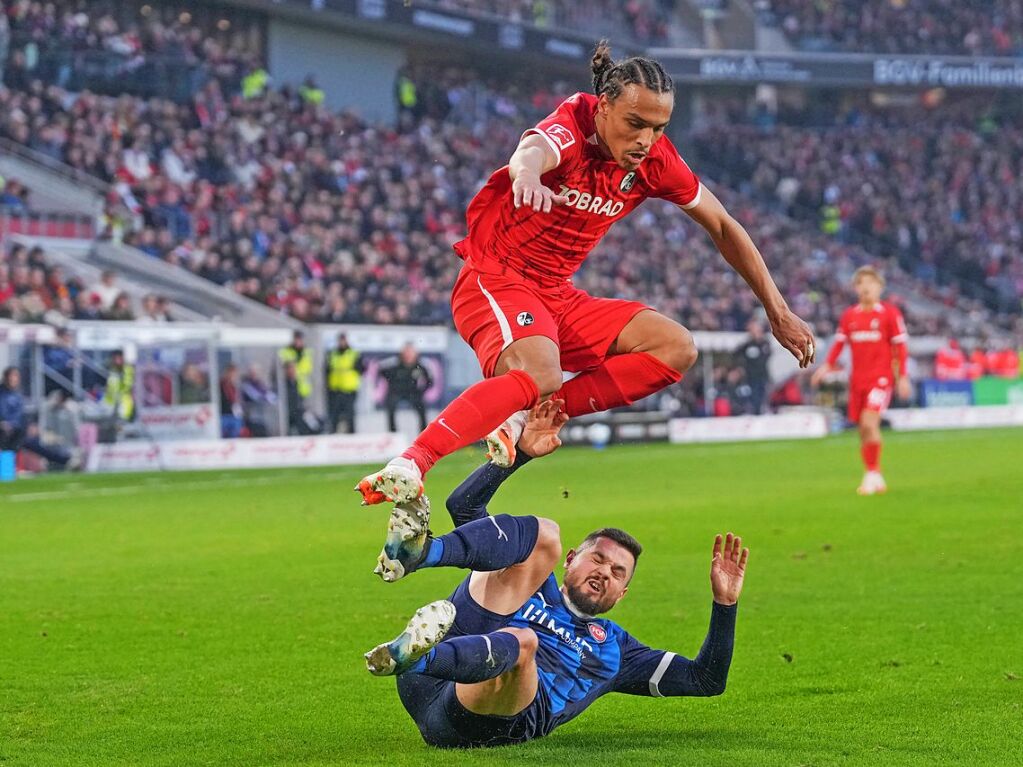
755 354
901 26
107 290
407 380
121 309
16 432
231 411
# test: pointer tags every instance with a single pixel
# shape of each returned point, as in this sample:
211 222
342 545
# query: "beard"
588 603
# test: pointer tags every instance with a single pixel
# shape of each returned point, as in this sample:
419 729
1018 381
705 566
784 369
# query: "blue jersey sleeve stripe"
659 673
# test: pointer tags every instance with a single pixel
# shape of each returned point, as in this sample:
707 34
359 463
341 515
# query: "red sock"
871 452
621 380
473 415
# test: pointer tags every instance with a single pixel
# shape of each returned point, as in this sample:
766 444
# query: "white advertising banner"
194 455
180 422
965 417
808 425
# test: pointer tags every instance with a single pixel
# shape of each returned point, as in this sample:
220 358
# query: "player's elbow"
713 686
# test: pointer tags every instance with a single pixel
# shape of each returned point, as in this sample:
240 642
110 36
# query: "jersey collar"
573 609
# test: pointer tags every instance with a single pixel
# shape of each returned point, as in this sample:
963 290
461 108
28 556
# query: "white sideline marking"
76 490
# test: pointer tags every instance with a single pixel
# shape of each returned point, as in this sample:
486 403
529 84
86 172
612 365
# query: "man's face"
597 575
868 289
298 342
14 379
633 122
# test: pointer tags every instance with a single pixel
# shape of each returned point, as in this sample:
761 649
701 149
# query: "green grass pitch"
220 619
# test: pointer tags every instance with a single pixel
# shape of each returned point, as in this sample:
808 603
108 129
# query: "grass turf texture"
221 619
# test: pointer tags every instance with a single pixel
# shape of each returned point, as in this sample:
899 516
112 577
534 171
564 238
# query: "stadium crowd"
328 218
331 219
940 191
124 45
901 26
644 21
34 290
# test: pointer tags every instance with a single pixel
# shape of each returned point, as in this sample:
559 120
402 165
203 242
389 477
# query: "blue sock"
469 659
487 544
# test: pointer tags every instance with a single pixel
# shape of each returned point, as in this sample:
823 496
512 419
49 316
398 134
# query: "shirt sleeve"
899 338
561 132
898 326
841 336
662 673
676 181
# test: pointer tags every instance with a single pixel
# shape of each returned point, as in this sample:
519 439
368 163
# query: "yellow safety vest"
254 83
119 392
407 93
342 374
303 368
831 219
311 95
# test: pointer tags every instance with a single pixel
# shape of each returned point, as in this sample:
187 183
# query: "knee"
547 378
548 543
528 644
677 349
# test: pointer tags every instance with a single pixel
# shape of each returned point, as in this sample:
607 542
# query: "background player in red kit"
588 164
876 334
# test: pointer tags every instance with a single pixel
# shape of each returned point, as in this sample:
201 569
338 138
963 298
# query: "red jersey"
550 247
876 338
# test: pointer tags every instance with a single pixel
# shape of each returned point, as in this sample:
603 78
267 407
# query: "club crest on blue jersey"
597 631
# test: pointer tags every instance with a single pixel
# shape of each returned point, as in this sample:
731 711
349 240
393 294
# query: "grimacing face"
868 289
629 126
597 575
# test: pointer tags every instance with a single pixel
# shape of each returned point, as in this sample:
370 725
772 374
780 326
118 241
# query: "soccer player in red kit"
588 164
876 334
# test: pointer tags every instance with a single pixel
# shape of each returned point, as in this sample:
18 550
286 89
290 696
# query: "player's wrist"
723 602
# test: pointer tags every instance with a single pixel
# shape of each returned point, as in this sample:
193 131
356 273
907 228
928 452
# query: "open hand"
528 191
727 569
540 436
904 388
820 374
796 336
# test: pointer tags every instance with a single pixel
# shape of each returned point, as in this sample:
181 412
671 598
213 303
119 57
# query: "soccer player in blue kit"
510 655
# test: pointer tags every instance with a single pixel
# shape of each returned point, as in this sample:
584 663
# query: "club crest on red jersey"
628 181
524 318
560 135
597 631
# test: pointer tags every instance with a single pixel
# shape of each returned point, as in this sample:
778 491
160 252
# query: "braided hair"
611 77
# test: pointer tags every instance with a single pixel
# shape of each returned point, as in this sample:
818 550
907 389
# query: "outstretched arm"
660 673
742 255
540 437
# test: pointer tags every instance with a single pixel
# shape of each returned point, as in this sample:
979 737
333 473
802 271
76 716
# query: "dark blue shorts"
442 720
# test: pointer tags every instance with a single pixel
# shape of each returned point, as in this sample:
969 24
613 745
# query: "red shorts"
873 395
491 311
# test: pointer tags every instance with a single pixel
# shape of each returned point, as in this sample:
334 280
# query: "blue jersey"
579 659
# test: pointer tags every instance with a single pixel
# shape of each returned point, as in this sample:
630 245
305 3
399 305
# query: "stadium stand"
644 21
917 185
325 217
33 289
900 26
